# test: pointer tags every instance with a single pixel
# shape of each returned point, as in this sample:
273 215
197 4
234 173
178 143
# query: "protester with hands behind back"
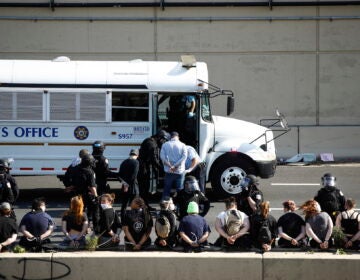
349 222
291 227
137 225
165 225
263 228
318 225
195 167
8 228
74 225
36 227
109 223
173 154
193 230
233 227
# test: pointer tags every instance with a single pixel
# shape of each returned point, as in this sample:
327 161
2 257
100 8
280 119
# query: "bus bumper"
266 169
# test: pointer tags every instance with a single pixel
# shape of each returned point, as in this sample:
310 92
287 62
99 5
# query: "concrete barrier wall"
166 265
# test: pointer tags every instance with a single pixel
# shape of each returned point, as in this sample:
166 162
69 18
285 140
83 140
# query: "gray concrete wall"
307 68
164 265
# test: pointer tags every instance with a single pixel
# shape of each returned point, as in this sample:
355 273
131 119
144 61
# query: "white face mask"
172 207
104 206
43 208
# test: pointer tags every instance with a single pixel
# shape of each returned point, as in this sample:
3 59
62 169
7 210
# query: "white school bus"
50 109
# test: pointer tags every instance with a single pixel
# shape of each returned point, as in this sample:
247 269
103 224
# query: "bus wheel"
228 175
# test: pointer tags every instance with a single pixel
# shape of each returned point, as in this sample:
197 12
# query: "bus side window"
130 107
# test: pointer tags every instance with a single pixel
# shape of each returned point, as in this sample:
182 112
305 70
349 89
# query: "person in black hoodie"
128 172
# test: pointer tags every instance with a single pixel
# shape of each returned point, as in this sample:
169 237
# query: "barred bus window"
23 106
130 107
78 106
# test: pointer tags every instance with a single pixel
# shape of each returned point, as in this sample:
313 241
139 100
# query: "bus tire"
228 174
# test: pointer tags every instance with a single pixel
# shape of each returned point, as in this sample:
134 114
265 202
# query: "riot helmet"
248 181
98 147
162 136
328 180
191 185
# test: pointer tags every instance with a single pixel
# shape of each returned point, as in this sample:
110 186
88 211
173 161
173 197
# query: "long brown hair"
76 209
265 208
309 208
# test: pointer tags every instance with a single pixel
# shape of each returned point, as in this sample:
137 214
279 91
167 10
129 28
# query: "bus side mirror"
230 105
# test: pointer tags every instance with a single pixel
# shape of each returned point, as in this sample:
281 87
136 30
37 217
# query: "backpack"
264 235
350 224
162 226
233 221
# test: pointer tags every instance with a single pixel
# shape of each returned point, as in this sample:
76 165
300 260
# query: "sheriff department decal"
81 132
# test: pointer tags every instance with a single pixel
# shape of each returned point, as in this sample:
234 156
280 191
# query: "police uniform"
83 178
148 163
102 172
183 198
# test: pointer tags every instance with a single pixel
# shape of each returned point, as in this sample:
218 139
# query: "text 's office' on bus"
49 110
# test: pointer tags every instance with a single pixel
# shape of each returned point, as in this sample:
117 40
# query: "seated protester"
8 227
318 225
74 225
36 227
250 197
349 221
263 228
165 225
233 227
191 192
109 223
193 230
137 225
291 227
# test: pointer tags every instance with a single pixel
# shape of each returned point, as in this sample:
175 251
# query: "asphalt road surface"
298 183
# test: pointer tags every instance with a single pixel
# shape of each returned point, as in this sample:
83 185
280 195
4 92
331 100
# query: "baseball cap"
134 152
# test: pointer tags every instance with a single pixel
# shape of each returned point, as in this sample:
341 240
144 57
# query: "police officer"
149 163
83 183
9 191
71 168
330 198
101 168
191 192
250 197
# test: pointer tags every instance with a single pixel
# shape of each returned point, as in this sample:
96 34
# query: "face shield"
245 183
191 186
328 181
